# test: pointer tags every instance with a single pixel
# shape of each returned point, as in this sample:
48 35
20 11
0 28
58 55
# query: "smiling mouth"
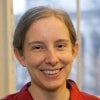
52 72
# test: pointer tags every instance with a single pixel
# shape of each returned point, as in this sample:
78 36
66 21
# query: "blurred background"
85 15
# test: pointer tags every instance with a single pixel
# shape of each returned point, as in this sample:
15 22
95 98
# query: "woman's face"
48 53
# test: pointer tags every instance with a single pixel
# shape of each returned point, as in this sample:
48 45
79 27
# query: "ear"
75 49
20 57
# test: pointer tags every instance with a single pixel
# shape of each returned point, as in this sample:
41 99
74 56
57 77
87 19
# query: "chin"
52 89
54 86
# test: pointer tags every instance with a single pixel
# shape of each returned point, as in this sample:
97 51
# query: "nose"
51 58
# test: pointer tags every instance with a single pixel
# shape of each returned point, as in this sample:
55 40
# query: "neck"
59 94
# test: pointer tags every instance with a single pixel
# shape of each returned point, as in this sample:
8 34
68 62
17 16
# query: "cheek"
34 61
67 58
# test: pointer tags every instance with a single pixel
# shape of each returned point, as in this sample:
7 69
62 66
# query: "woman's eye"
37 48
61 46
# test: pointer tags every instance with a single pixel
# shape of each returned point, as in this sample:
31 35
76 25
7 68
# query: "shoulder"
10 97
23 94
89 96
76 94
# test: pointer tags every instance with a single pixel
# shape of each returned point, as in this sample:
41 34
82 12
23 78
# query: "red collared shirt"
75 93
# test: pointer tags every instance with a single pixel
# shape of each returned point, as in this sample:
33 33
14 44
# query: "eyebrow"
34 42
40 42
63 40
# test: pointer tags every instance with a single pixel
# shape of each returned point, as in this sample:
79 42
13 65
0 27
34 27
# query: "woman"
45 42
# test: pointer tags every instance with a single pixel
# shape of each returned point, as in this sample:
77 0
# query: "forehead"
48 22
46 28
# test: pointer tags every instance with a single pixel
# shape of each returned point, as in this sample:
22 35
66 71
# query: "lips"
51 72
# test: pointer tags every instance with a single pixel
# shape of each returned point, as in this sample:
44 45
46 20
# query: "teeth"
51 72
